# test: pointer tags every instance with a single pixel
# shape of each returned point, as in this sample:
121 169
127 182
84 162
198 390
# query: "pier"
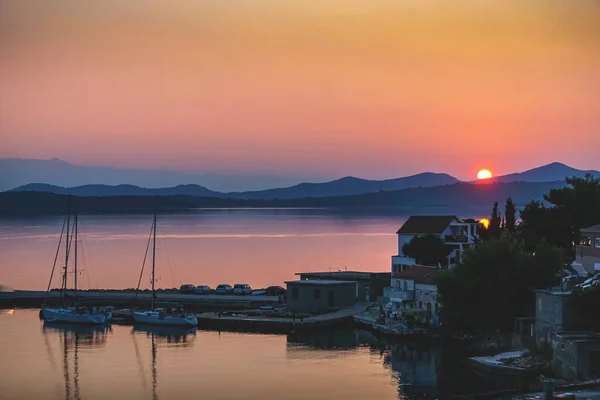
29 298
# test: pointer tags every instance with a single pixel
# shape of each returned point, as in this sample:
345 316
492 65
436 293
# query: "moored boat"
162 316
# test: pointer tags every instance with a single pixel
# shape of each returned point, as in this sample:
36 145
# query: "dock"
29 298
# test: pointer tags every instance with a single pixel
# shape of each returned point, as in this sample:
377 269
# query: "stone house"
587 253
576 355
552 314
415 291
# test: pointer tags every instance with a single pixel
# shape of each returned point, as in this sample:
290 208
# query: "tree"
581 202
510 212
426 250
494 284
495 222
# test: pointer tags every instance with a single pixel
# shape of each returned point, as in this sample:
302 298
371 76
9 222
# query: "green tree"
427 250
510 216
495 222
494 284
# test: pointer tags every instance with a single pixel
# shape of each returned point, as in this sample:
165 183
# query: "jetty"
30 298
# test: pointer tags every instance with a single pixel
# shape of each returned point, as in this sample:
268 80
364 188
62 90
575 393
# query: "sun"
485 222
484 174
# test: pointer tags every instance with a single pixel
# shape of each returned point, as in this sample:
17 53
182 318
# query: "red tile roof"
419 224
419 274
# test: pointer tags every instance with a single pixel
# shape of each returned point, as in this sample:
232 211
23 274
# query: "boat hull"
158 318
69 316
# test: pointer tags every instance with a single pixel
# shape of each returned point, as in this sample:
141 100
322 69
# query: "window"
317 294
437 308
597 242
420 304
295 293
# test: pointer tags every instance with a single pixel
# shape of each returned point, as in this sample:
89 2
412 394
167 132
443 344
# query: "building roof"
593 228
358 275
320 282
419 224
419 274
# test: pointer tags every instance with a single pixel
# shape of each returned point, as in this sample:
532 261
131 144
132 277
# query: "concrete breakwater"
28 298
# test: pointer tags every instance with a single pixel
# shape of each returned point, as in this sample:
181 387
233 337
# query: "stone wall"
576 355
551 315
426 294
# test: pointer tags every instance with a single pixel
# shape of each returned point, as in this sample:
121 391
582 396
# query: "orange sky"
348 87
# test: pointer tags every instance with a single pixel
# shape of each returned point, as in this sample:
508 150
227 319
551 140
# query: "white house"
457 234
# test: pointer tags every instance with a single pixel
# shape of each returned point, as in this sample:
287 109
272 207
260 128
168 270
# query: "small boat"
162 316
71 314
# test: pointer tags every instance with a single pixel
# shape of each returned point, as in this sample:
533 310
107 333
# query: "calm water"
258 247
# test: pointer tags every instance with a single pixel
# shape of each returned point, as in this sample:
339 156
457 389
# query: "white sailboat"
162 316
70 314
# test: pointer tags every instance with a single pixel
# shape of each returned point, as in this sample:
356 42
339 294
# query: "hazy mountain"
340 187
119 190
449 196
15 172
349 186
546 173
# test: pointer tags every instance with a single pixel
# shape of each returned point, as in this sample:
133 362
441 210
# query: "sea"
259 247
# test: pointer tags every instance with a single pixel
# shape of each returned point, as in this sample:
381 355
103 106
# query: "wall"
402 240
343 295
425 294
551 315
575 355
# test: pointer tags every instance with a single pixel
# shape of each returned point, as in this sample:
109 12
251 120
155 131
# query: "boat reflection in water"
72 338
169 335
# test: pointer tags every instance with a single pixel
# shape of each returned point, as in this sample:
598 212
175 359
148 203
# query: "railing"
457 238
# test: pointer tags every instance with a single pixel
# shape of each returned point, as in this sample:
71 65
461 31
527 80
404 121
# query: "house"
587 253
370 284
320 295
414 291
457 234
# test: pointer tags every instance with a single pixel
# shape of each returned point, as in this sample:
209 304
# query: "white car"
242 288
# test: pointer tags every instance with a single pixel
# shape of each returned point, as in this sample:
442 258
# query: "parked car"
224 288
187 289
203 289
242 288
276 291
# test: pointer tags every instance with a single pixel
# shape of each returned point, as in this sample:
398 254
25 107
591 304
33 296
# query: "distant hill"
119 190
349 186
547 173
451 196
340 187
15 172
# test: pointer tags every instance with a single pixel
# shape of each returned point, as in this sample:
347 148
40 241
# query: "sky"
375 89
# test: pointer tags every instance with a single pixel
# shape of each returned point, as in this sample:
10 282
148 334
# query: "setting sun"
485 222
484 174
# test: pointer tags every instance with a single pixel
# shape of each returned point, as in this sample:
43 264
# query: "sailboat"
70 314
162 316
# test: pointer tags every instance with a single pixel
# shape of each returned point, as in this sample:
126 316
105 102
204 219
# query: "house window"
295 293
597 242
420 304
437 308
317 294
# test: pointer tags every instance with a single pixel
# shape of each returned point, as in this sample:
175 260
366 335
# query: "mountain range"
348 186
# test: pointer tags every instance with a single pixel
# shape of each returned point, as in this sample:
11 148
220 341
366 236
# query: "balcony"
456 239
401 295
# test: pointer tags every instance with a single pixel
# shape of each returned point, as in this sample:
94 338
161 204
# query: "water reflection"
161 334
73 337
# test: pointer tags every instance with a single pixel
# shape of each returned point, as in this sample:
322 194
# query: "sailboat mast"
67 246
153 257
76 231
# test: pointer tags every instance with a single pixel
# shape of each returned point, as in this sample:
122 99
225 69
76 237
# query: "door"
330 298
